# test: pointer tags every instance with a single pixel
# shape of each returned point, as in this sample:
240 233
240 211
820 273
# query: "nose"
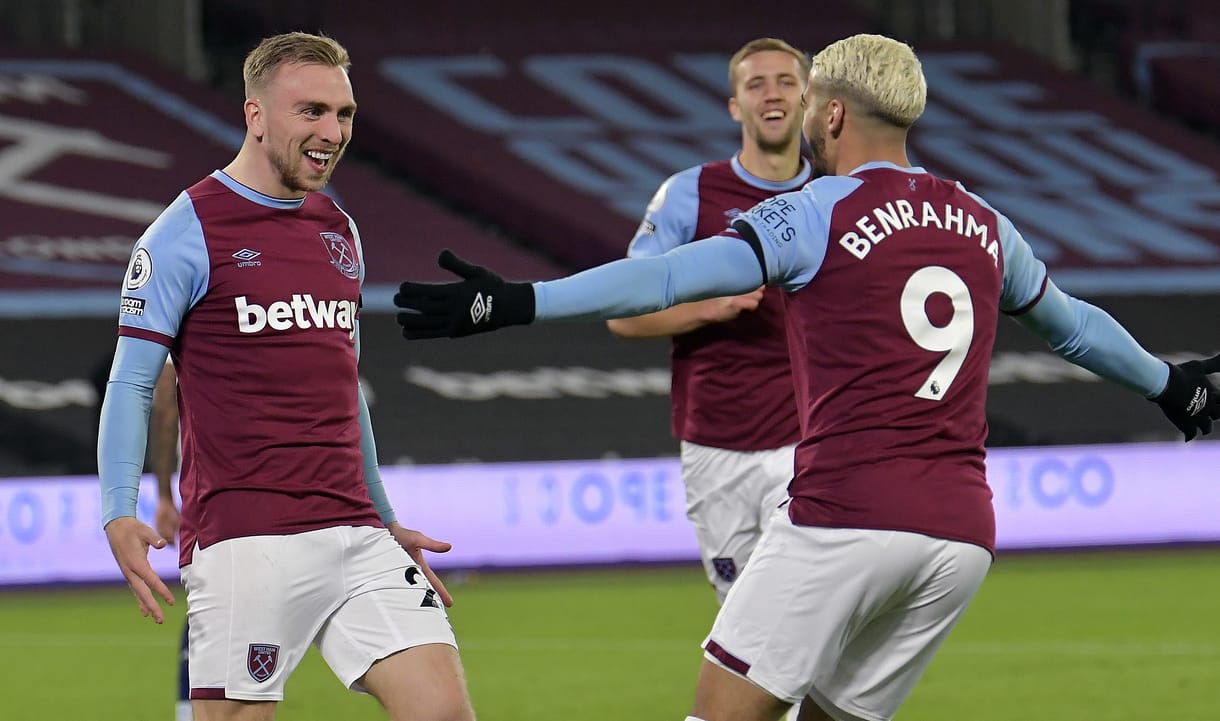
330 130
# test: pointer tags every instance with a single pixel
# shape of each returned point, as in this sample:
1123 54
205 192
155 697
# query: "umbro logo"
1197 402
246 258
480 309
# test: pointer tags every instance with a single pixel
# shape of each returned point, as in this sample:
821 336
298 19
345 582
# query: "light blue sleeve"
708 268
1024 274
368 442
793 229
167 275
168 272
671 216
372 472
1077 331
1089 337
123 429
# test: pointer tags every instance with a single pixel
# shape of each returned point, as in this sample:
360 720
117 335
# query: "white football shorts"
255 604
730 499
849 617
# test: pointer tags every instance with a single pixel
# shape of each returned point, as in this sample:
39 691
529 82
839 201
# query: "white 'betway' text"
302 312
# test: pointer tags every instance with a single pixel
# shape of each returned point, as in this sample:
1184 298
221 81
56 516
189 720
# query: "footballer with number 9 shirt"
895 281
251 281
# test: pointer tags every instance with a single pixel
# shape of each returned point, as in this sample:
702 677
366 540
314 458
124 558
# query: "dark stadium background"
419 178
1095 123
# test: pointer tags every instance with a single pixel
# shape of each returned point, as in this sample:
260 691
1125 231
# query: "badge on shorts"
261 660
726 568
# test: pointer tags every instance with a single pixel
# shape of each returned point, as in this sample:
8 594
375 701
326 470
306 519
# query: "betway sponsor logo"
300 312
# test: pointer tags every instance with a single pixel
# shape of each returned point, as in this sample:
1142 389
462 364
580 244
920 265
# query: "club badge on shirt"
342 254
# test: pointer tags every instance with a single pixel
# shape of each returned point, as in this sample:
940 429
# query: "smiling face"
302 118
766 99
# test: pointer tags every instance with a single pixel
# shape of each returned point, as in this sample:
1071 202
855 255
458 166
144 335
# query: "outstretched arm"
482 301
685 317
708 268
1089 337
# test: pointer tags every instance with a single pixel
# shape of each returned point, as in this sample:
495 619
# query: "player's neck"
857 150
252 169
776 167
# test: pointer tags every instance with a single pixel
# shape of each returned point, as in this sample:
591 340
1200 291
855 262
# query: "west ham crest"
726 568
342 254
261 661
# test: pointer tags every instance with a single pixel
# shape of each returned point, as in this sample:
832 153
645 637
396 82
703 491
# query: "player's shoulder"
687 180
715 167
825 191
961 188
208 191
321 202
178 219
679 190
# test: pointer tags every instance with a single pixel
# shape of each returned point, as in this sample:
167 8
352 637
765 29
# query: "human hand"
166 519
721 310
129 542
481 301
415 544
1190 401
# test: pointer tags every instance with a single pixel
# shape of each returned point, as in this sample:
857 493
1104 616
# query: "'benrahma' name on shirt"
896 215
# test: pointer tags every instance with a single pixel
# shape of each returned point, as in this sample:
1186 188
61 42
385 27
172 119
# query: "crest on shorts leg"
261 661
726 568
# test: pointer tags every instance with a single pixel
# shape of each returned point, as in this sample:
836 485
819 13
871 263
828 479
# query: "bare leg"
810 711
226 710
722 695
424 683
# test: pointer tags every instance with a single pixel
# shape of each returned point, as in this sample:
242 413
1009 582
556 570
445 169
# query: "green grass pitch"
1116 636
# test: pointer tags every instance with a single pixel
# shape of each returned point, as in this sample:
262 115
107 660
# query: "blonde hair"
760 45
289 48
879 73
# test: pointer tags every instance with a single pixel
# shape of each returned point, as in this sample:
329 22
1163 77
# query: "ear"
836 111
255 120
734 109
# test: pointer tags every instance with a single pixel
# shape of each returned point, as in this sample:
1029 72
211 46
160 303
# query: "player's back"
896 332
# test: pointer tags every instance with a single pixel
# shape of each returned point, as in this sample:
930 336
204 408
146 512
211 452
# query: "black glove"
482 301
1189 400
